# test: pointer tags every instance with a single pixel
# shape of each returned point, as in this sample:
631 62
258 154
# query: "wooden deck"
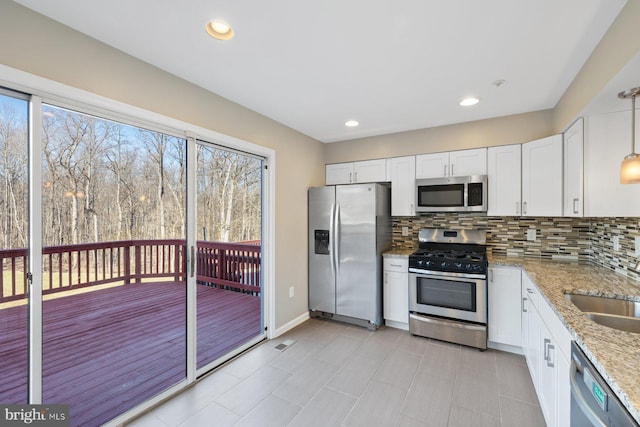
108 350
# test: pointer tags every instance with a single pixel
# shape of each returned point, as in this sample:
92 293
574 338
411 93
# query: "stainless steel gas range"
448 286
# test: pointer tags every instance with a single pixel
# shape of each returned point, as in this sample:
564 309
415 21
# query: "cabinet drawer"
401 265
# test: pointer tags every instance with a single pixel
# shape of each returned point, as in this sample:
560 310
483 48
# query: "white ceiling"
391 65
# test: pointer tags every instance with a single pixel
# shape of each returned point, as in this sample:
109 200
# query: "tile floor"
341 375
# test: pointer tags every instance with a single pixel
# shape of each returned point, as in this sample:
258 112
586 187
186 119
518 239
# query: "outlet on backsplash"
531 234
616 243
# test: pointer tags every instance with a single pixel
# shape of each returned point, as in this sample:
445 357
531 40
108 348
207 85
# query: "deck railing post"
127 264
137 262
178 250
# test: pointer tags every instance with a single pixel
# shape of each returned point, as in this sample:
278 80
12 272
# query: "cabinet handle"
452 172
386 277
524 208
550 362
350 177
517 208
530 290
445 170
524 310
491 274
396 265
576 206
356 177
547 342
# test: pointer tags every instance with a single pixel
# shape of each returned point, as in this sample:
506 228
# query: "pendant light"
630 168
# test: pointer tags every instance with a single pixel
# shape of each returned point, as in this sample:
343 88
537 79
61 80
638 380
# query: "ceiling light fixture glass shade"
630 168
219 30
469 101
351 123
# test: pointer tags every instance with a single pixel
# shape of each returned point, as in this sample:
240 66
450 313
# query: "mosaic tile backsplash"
583 239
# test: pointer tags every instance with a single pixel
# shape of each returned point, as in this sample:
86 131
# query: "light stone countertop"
614 353
398 253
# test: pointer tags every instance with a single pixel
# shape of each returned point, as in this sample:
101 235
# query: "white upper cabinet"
370 171
454 163
403 186
434 165
542 177
356 172
339 173
607 140
504 180
468 162
573 140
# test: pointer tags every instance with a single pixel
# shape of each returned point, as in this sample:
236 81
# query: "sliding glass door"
229 241
14 185
131 259
113 273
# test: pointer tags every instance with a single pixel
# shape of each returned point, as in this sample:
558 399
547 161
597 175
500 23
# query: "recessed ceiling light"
469 101
351 123
219 30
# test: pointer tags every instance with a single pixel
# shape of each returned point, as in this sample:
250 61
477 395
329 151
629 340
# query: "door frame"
44 90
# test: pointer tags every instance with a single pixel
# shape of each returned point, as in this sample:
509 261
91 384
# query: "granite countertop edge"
615 354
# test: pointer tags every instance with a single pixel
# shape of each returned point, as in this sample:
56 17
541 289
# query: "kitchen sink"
611 312
623 323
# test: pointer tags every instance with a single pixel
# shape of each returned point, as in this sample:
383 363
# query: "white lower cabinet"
504 308
395 292
547 345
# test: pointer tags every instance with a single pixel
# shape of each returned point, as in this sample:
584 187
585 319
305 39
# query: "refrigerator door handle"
332 239
336 240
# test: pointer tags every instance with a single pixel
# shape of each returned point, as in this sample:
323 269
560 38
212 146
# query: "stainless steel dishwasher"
593 403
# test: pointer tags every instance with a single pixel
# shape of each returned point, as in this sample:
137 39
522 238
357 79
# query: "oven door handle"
443 274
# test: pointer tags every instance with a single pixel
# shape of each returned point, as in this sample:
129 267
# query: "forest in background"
106 181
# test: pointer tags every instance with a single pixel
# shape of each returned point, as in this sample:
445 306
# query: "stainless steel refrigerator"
349 229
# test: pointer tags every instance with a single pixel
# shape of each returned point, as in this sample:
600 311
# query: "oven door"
453 295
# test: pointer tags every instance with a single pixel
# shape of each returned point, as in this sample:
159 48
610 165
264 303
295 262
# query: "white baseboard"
397 325
289 325
505 347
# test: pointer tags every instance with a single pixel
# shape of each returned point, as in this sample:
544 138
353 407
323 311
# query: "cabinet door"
504 306
434 165
396 297
370 171
573 169
339 173
504 179
403 186
468 162
542 177
607 141
563 397
548 375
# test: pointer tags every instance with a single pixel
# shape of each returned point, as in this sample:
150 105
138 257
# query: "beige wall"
482 133
35 44
618 46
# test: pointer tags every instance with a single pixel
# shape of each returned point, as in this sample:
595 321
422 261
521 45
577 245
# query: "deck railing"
233 266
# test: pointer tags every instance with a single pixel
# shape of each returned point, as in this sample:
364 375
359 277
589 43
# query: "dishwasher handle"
580 400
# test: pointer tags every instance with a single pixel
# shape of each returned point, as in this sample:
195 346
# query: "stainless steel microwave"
453 194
